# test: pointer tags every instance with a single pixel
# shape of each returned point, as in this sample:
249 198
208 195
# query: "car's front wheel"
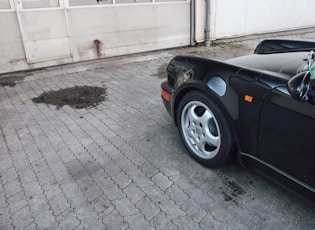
204 129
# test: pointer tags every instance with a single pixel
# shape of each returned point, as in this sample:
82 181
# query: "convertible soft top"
270 46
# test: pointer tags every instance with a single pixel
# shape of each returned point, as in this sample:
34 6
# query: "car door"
286 136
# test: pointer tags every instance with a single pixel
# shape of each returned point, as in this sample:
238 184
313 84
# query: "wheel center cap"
198 131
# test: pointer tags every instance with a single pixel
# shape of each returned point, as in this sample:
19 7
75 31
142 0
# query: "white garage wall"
42 33
244 17
124 29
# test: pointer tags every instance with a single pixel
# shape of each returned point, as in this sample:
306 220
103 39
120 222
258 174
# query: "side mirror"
299 85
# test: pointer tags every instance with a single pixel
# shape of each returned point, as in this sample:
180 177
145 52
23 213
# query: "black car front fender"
228 102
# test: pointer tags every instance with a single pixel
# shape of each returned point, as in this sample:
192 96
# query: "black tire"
204 129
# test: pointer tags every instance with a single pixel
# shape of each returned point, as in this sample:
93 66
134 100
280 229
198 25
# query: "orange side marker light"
166 96
248 98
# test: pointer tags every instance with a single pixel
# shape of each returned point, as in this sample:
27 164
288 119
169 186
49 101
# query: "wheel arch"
213 96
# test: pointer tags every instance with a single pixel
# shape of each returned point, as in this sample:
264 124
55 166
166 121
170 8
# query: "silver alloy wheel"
200 130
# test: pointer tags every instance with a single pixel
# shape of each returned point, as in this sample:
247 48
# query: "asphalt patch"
78 97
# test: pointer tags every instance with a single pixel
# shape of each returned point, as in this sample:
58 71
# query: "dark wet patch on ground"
78 97
161 74
232 191
10 81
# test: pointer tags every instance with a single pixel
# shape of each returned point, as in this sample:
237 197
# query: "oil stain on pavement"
77 97
11 81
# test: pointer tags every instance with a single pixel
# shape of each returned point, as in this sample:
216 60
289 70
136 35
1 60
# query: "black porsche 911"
260 108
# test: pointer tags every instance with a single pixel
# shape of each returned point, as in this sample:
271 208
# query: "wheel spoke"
212 140
202 147
205 118
191 122
191 114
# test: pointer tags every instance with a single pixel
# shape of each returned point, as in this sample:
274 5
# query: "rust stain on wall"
98 47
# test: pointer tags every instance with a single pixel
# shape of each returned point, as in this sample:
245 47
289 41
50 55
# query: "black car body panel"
273 131
287 64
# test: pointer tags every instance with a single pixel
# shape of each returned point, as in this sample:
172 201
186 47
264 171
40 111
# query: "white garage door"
63 31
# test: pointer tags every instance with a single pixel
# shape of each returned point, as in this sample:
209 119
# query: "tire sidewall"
227 141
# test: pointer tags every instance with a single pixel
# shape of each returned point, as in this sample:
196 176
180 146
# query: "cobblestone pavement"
121 164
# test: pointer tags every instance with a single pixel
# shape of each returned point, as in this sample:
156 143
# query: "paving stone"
185 223
90 220
155 193
45 177
26 175
63 177
125 207
49 153
220 214
89 187
210 223
35 155
111 168
187 171
101 158
32 188
149 169
133 192
121 179
58 204
93 167
5 164
102 206
21 162
39 166
177 194
51 189
206 202
71 189
112 191
38 202
30 227
3 200
134 157
181 181
17 202
22 218
138 222
68 220
75 168
148 208
57 166
169 170
80 205
171 209
161 222
45 219
193 210
140 179
8 175
12 187
5 218
202 181
14 144
115 221
162 181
